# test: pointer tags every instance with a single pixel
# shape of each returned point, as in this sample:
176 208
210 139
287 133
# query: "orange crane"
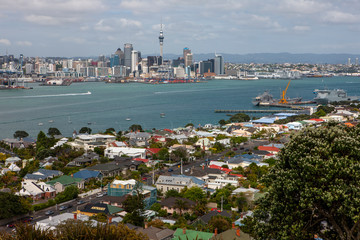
283 98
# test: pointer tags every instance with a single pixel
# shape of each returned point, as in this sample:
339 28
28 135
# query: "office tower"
188 59
349 61
206 66
127 52
134 60
357 61
187 51
218 65
121 56
114 60
161 40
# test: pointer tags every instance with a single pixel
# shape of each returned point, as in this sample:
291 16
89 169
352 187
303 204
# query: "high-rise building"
187 51
161 40
218 65
121 56
114 60
349 61
206 66
357 61
134 60
188 59
128 48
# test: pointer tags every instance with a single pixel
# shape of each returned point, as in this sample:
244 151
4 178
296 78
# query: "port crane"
283 95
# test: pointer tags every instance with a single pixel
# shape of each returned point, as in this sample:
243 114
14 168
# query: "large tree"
20 134
314 187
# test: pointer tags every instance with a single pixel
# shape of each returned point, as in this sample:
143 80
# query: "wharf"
262 111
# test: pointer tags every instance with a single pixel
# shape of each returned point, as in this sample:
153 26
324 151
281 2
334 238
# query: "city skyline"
94 27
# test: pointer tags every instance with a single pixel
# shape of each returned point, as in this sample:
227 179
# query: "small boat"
69 121
40 124
162 115
128 119
89 123
51 121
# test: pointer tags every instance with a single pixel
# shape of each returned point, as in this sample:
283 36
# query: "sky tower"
161 40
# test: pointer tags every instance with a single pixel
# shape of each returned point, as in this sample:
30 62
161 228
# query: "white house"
112 152
294 125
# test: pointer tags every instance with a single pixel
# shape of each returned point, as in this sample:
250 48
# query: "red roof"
153 150
221 168
316 119
141 160
237 175
269 149
168 130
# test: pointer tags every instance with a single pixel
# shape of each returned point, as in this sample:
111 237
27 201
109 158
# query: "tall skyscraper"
161 40
134 60
128 47
121 56
187 51
218 65
357 61
349 61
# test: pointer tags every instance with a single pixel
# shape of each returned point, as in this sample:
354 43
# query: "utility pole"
153 177
181 168
222 200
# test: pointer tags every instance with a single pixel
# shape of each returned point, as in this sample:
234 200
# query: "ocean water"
69 108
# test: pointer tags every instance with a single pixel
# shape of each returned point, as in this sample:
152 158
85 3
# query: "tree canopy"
313 187
12 205
53 131
85 130
20 134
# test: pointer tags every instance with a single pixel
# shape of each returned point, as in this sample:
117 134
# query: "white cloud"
341 17
49 20
303 7
112 25
301 28
24 43
129 23
73 40
4 41
100 26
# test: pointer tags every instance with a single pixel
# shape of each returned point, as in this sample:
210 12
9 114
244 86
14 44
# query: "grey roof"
155 233
171 180
171 202
206 218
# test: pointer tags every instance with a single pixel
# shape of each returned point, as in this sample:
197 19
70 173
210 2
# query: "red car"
11 225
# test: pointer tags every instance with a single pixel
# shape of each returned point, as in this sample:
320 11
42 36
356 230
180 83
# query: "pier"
262 111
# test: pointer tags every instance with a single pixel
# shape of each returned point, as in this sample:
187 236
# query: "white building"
51 222
112 152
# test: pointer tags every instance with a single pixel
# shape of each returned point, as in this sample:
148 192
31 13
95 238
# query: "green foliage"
326 109
181 205
70 192
163 154
12 205
178 154
195 194
110 131
20 134
222 122
315 179
293 119
239 117
220 137
230 154
189 125
238 140
85 130
99 150
220 222
40 206
172 193
155 207
74 229
136 128
320 113
218 147
134 205
100 217
42 141
53 131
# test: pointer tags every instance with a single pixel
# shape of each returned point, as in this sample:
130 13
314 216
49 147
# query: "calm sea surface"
109 105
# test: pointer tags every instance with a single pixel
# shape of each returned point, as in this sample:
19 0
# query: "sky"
68 28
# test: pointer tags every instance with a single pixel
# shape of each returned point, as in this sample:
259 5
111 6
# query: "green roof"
113 209
191 235
65 180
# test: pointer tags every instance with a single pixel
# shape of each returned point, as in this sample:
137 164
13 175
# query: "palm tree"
181 205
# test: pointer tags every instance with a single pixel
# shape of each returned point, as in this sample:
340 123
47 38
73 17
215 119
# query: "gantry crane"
283 95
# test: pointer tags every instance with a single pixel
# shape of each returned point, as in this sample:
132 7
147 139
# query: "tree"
70 192
181 205
239 117
85 130
220 222
42 141
20 134
53 131
134 205
315 180
172 193
12 205
100 217
189 125
136 128
222 122
195 194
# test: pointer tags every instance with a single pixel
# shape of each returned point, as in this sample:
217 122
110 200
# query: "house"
51 222
14 168
203 143
43 174
166 183
203 220
186 234
155 233
249 192
113 200
181 138
11 160
189 149
89 142
294 125
120 188
169 204
64 181
36 190
93 209
86 174
112 152
85 159
151 151
233 234
138 139
270 149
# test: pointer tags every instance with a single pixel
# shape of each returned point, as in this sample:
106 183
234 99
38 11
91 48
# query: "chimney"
146 225
184 230
110 220
238 232
233 225
75 216
216 232
72 175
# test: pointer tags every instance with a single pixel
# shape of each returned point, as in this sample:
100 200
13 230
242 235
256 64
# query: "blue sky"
94 27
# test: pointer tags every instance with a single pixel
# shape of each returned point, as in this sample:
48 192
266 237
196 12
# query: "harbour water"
69 108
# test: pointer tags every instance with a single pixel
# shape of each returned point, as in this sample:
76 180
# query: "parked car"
80 202
64 207
11 225
99 195
170 170
49 212
27 219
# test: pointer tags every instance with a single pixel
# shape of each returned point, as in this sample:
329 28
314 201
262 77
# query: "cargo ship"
325 96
